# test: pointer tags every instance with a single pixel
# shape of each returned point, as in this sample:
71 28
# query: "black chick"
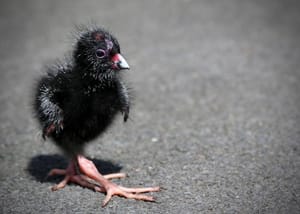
77 101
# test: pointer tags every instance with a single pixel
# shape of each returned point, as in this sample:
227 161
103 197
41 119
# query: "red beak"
119 62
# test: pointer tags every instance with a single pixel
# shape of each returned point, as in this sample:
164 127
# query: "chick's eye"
100 53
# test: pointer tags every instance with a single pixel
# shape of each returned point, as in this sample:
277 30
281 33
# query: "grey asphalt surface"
216 119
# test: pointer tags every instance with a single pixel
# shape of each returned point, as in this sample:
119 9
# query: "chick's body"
77 102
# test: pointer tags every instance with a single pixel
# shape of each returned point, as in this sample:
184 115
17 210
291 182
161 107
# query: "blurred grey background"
216 114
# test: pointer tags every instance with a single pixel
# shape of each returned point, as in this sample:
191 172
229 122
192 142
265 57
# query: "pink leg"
89 169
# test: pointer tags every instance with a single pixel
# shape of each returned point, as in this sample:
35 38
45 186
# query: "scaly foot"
89 169
88 176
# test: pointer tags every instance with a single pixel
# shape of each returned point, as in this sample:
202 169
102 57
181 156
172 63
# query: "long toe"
140 189
114 176
128 193
56 172
61 184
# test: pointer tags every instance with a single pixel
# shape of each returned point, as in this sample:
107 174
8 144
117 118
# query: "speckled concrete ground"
216 114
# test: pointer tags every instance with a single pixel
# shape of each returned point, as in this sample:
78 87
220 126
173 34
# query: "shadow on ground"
40 165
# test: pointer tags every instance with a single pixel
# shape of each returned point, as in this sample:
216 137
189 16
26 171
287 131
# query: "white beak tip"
120 62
